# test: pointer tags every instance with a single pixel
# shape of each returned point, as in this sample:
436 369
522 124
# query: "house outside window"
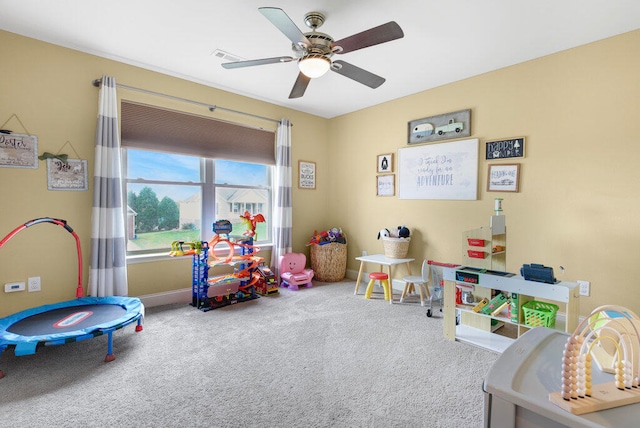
177 197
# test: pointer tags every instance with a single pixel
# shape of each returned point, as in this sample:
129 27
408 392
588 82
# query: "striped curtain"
107 264
282 207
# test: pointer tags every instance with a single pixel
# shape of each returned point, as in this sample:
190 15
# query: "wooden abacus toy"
578 395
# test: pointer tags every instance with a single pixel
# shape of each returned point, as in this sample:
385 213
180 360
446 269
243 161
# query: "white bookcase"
478 328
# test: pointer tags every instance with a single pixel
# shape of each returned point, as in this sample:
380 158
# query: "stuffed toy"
384 232
403 232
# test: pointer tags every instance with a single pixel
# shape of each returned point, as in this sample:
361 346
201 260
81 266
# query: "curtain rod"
211 108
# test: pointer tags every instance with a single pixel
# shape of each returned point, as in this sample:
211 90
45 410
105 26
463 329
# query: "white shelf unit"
477 328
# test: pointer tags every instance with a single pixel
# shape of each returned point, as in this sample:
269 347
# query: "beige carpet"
317 357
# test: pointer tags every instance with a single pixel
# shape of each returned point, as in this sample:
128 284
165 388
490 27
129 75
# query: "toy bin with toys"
328 254
396 243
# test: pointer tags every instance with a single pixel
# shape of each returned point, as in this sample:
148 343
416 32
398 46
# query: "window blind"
155 128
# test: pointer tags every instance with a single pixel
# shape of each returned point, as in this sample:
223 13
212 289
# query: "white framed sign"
71 175
18 151
306 175
439 171
385 185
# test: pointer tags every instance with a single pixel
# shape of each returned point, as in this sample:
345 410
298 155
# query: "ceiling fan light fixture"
314 66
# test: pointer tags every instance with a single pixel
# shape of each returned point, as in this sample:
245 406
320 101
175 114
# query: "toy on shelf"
608 325
293 272
267 284
250 221
178 248
222 227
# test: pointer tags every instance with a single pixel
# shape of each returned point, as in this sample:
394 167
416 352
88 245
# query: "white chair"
419 281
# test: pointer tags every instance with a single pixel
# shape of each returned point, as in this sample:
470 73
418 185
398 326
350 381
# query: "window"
185 171
174 197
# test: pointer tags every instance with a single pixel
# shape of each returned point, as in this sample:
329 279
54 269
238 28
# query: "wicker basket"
395 248
329 261
539 314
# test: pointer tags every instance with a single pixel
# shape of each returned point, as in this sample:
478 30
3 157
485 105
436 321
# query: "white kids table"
381 260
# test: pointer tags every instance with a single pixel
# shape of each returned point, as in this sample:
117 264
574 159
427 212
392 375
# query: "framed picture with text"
386 185
306 175
503 178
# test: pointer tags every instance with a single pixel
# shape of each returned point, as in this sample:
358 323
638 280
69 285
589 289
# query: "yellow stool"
384 282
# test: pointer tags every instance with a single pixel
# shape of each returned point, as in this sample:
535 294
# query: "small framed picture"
306 175
70 175
385 163
503 178
386 185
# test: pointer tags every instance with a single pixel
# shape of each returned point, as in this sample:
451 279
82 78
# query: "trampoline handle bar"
59 222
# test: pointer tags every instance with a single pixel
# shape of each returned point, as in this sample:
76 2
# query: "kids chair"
384 282
421 281
292 271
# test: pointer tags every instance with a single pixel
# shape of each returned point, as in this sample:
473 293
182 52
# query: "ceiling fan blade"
282 21
358 74
371 37
300 86
252 62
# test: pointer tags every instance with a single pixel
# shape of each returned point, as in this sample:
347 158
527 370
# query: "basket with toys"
329 255
396 243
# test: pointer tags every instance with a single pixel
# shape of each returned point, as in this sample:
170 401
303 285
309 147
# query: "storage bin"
329 261
539 314
395 248
475 242
476 254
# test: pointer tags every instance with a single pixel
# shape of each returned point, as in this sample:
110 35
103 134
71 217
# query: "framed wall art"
385 163
441 127
446 171
386 185
505 149
503 178
18 150
70 175
306 175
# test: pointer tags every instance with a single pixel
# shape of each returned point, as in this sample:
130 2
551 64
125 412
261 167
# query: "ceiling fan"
313 50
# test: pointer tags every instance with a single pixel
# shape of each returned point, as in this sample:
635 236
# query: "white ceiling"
444 41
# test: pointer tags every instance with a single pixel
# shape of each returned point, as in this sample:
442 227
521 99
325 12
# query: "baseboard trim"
167 298
184 295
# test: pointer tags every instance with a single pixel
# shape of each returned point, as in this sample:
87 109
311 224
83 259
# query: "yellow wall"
580 183
577 205
49 89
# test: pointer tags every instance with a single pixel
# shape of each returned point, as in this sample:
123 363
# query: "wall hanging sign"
18 150
439 171
69 175
504 149
386 185
440 127
385 163
503 178
306 175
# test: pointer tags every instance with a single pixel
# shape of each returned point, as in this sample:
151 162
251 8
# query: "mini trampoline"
71 321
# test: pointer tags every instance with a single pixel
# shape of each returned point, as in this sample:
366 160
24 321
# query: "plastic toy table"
381 260
518 385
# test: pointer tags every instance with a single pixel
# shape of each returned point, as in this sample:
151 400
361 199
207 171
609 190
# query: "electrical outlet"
13 286
584 287
34 283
